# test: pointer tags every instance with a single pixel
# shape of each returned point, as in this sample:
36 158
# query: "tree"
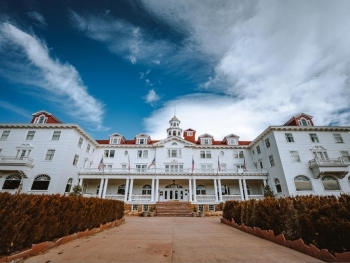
268 192
77 191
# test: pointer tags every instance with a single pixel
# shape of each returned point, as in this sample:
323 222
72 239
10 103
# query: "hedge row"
323 221
30 219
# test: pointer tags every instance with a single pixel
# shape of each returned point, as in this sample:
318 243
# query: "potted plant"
152 208
194 213
201 213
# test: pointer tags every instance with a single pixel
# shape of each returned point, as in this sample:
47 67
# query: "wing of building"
297 158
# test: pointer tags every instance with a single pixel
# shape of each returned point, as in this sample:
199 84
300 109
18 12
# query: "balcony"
334 166
16 161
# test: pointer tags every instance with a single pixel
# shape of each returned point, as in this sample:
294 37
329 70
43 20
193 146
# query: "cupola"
174 129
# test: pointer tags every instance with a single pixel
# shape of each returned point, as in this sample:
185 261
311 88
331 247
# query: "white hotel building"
48 156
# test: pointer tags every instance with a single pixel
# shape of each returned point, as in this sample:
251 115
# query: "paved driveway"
162 239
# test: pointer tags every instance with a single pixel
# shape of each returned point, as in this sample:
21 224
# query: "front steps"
174 209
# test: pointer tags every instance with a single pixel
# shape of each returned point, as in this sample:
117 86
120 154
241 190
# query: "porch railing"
205 198
115 197
231 197
255 197
140 197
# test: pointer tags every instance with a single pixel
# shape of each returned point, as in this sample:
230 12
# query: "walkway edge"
44 246
297 245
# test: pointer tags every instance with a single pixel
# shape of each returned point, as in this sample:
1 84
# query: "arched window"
69 185
225 190
174 133
41 182
200 190
178 133
304 122
121 189
278 186
302 183
12 181
146 189
174 143
330 183
169 132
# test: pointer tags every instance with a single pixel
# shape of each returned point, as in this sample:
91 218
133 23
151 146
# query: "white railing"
89 195
115 197
231 197
328 162
140 197
205 197
169 171
8 160
37 192
255 197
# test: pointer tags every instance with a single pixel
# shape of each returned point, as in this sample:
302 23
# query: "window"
4 135
225 190
205 154
49 155
109 153
330 183
121 189
313 137
261 165
345 156
141 141
206 141
21 154
141 167
240 168
30 135
320 155
142 154
201 208
40 119
304 122
88 148
56 135
267 143
302 183
75 160
174 168
124 167
69 185
107 166
174 153
135 207
338 138
289 137
223 167
294 156
80 143
12 182
232 141
253 152
189 133
211 208
144 208
278 186
41 182
207 168
258 149
115 141
146 190
200 190
272 161
238 154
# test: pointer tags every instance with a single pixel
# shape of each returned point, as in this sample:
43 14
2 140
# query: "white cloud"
152 97
271 60
38 17
10 107
62 81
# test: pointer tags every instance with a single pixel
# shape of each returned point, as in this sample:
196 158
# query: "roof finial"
175 111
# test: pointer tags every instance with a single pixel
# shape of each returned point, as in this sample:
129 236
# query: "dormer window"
114 141
141 141
40 119
304 122
232 141
206 141
189 133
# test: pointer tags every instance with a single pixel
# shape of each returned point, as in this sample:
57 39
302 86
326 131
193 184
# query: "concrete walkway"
161 239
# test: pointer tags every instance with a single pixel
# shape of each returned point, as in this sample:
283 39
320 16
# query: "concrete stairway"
172 209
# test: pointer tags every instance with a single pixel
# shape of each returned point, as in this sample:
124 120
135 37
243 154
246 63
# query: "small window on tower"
189 133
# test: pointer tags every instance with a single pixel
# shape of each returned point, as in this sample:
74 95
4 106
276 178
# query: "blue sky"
226 66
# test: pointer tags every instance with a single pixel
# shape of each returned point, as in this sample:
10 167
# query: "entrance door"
173 194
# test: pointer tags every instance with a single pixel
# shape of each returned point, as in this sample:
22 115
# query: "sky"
127 66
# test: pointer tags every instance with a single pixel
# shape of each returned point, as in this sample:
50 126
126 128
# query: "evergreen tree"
268 192
77 191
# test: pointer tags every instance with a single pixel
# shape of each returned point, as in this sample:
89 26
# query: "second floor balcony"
335 166
16 161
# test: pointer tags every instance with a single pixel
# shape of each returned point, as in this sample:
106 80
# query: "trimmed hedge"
323 221
30 219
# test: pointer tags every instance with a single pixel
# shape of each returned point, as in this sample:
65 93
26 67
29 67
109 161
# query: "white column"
220 191
101 189
152 191
189 191
81 182
245 190
264 182
194 190
126 190
131 188
157 190
240 189
216 190
105 188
